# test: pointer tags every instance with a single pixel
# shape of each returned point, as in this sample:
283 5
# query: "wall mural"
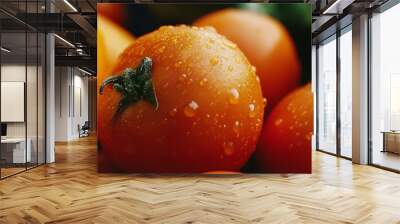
204 88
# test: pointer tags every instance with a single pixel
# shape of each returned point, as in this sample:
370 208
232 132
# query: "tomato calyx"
134 84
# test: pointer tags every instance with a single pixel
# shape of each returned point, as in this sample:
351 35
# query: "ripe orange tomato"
266 43
285 143
111 41
210 106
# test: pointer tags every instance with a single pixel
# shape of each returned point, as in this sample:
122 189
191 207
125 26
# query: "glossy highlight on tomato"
210 106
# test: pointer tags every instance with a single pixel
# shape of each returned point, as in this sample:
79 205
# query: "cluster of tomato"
226 89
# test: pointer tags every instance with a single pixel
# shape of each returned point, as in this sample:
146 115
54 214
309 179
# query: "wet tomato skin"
285 142
267 45
210 106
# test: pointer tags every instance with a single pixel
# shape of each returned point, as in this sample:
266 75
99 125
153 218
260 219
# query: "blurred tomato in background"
285 143
109 47
266 43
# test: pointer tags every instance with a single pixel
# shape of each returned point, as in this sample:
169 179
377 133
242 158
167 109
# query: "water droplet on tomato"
141 50
173 112
177 64
265 102
214 61
161 49
230 44
278 122
229 148
182 78
308 136
203 81
190 109
236 126
233 96
252 110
